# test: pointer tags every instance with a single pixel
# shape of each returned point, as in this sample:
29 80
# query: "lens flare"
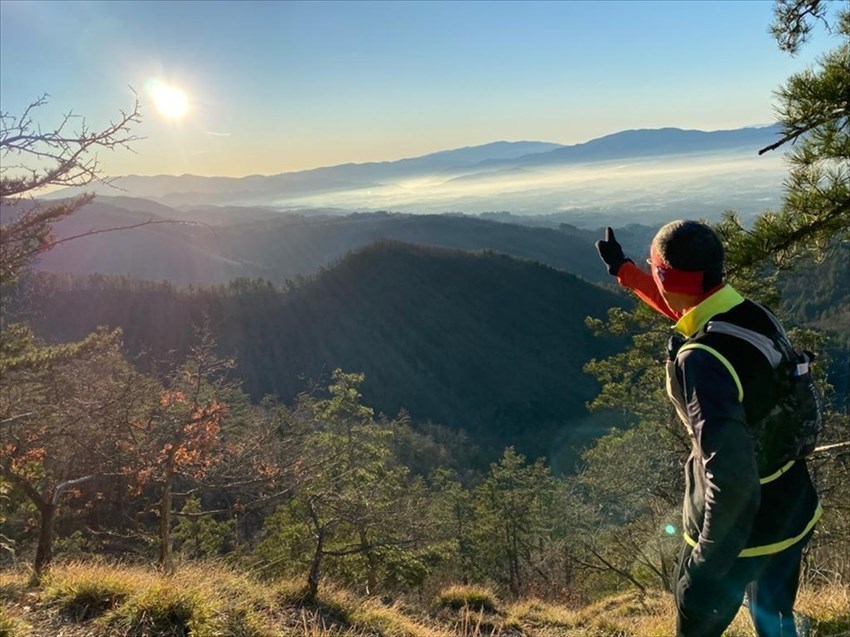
670 529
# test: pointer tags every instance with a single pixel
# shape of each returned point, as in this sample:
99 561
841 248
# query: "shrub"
540 614
12 585
292 592
242 622
388 621
164 610
84 591
457 597
10 626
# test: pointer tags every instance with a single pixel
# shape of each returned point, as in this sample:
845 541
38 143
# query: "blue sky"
279 86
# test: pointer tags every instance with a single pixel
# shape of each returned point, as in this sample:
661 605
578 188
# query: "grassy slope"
94 600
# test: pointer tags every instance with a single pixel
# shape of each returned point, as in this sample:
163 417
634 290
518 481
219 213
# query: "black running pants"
706 607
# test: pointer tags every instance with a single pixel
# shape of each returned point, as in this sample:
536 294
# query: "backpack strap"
780 338
769 347
762 343
723 360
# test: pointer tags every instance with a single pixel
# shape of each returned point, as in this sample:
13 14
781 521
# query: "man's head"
687 262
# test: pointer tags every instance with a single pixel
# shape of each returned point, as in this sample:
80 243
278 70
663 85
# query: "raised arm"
630 276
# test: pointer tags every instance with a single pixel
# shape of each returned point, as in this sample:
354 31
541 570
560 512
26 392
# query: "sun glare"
170 101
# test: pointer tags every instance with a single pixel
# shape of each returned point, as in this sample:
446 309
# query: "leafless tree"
33 159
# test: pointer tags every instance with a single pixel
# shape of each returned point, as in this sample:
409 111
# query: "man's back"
787 505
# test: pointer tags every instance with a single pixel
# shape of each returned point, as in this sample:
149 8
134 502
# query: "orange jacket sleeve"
641 283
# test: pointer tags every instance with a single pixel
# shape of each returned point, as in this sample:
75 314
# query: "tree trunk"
464 547
48 509
315 567
371 567
44 551
166 559
513 561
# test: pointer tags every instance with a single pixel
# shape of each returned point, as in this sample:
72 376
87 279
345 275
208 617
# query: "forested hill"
483 342
251 242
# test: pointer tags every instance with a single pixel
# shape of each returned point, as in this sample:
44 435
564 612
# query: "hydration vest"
790 429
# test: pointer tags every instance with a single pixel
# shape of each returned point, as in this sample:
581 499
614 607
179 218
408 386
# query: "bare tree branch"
62 486
74 156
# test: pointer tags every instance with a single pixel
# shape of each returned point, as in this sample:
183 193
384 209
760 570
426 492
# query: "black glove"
611 252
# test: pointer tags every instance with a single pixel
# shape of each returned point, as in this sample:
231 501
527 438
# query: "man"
745 522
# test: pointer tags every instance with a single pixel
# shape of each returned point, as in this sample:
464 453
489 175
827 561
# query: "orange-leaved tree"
179 443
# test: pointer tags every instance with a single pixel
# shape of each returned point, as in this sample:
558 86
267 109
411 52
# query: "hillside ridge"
515 329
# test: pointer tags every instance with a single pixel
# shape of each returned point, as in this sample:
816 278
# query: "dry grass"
537 614
370 616
12 585
825 611
629 615
85 591
828 608
123 601
163 609
13 598
11 626
97 599
312 624
477 624
291 592
391 621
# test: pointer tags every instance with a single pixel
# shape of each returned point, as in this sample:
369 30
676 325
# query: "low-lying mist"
645 190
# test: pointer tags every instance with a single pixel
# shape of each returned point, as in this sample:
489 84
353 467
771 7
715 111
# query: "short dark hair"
690 245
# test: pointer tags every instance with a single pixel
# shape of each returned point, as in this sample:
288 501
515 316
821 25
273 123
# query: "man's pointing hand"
611 252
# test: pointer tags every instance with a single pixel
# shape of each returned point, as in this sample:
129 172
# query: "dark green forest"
484 343
818 294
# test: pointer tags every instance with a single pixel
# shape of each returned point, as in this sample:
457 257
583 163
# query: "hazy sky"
279 86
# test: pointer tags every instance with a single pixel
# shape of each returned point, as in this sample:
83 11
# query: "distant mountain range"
472 179
191 189
655 142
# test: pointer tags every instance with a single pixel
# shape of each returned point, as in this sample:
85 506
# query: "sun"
170 101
